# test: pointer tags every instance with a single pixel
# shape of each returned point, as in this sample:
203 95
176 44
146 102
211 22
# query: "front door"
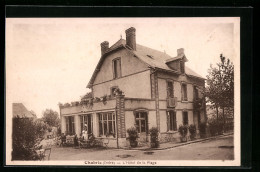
141 123
86 123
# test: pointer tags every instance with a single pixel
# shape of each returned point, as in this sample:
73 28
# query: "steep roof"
19 110
151 57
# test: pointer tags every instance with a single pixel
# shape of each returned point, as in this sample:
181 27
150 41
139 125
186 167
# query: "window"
172 125
170 92
116 68
185 118
184 92
113 91
141 122
67 124
196 93
70 125
182 66
107 124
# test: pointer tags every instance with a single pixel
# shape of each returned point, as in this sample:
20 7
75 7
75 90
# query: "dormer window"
116 68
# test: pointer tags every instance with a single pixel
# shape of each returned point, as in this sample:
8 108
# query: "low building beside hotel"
136 86
20 111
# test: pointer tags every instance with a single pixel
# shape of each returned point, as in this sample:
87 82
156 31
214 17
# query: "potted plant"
202 129
60 105
66 105
132 136
109 97
97 99
91 102
192 130
154 137
183 130
104 99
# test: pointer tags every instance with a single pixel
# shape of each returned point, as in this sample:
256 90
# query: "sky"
51 60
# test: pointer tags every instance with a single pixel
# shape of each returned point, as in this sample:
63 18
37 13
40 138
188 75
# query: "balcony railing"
171 101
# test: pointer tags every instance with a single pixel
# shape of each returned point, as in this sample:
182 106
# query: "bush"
154 137
192 130
220 127
202 129
51 118
26 133
183 130
213 127
132 136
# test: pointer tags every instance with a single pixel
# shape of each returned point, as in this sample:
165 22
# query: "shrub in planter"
91 102
132 136
66 105
154 137
97 99
202 129
104 99
183 130
192 130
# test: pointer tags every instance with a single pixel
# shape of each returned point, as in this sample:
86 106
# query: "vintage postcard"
123 91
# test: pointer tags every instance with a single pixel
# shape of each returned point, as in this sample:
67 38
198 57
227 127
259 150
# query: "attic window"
150 56
116 67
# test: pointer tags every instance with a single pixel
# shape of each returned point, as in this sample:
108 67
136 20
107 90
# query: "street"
215 149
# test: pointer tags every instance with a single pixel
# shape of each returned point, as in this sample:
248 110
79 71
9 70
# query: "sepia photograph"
162 91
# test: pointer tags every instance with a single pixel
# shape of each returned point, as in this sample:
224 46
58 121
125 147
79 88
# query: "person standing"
76 141
85 132
63 139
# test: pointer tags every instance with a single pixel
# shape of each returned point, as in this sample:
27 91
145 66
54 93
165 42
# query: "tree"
220 85
26 133
51 118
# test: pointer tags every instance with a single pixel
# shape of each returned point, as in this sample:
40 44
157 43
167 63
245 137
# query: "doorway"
86 123
141 124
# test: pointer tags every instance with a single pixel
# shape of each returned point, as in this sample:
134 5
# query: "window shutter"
118 68
168 121
175 122
182 92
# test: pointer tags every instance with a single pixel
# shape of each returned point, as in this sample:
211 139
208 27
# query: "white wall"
135 86
163 121
129 120
152 119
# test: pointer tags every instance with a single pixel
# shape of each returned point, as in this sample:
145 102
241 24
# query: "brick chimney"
104 47
180 51
182 62
130 38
